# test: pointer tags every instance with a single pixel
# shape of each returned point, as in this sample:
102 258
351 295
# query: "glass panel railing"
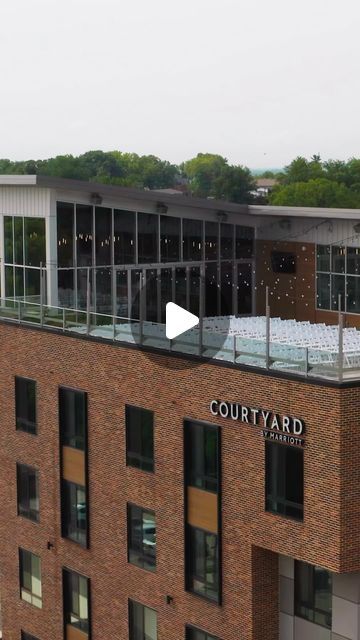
75 321
251 352
187 342
218 346
53 317
124 330
288 358
9 309
101 326
154 335
30 312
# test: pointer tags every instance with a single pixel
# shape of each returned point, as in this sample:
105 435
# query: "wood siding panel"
202 509
73 465
75 634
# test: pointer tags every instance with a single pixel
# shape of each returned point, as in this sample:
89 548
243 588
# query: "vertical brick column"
265 594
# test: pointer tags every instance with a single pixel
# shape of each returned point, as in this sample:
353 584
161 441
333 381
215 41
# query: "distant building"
264 186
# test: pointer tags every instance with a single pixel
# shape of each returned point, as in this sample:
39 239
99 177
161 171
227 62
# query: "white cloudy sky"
258 81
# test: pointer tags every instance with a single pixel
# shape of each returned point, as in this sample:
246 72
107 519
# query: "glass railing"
252 352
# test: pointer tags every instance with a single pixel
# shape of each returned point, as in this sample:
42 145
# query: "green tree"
320 192
210 175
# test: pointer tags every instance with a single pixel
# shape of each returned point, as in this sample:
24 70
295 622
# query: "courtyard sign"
284 429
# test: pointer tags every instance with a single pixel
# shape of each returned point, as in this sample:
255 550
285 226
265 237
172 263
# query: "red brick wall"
113 376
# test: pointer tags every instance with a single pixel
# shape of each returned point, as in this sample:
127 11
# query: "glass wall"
101 248
25 252
338 274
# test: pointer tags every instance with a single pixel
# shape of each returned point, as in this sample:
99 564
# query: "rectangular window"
25 404
211 240
313 594
202 456
192 239
169 239
103 224
226 241
148 238
323 290
73 418
30 578
244 242
202 563
139 438
283 262
84 235
65 234
284 480
141 537
142 622
197 634
27 492
74 519
124 237
76 597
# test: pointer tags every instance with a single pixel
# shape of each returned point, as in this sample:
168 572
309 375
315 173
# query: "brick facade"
251 538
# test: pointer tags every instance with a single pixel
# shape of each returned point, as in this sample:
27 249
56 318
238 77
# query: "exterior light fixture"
357 227
96 198
161 207
221 216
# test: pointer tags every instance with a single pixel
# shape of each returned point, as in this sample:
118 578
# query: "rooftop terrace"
306 350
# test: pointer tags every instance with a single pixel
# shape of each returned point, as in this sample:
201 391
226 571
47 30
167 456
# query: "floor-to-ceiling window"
25 254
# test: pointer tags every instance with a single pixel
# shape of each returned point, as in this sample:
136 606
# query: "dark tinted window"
139 438
202 563
76 600
148 236
201 456
192 239
141 537
84 235
282 262
74 518
27 636
197 634
313 594
244 242
28 492
73 418
102 236
124 237
169 239
142 622
65 234
25 402
211 240
226 241
284 480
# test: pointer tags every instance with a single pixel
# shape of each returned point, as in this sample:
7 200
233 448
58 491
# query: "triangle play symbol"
178 320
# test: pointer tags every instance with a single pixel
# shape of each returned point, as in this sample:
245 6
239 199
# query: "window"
282 262
27 636
202 456
226 241
244 241
30 578
65 234
139 438
28 492
84 235
196 634
202 570
284 480
313 594
25 404
76 596
124 237
24 243
103 222
73 418
74 518
142 622
148 237
211 240
192 239
141 537
169 239
338 274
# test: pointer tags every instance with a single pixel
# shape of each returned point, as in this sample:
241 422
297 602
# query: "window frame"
31 593
129 507
191 627
143 460
312 610
67 574
27 636
23 424
30 514
204 478
190 562
64 441
274 496
67 485
132 602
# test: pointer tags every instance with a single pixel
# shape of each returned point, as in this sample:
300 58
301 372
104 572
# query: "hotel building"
203 488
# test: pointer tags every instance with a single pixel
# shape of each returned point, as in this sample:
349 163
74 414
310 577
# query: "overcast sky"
258 81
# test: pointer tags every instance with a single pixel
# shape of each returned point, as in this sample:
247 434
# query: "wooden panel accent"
73 465
202 509
75 634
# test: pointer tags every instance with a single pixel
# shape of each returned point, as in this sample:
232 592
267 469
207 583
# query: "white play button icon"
178 320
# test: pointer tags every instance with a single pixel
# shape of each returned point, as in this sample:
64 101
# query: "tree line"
312 183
